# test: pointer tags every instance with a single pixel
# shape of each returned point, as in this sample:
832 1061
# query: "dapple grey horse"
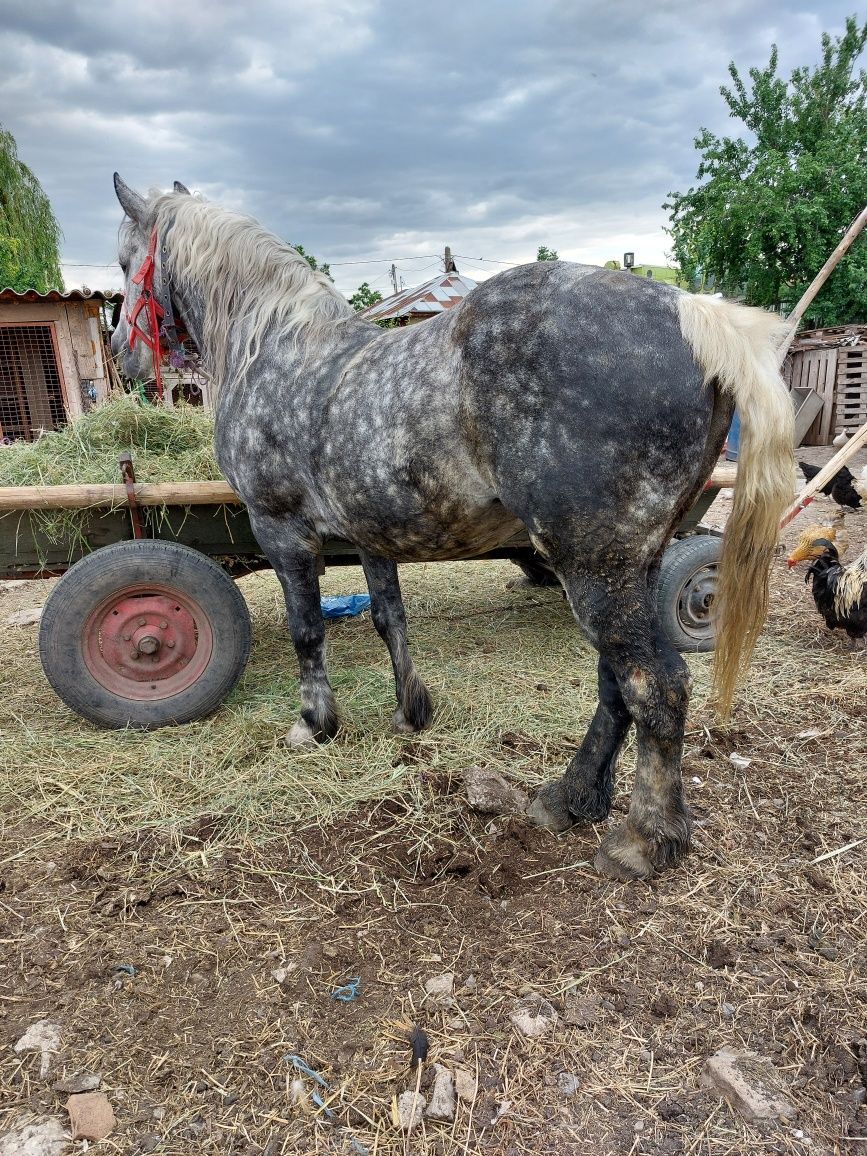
584 404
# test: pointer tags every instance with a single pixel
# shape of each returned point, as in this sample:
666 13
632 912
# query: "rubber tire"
109 571
682 562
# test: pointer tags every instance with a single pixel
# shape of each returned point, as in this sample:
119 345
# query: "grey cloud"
355 125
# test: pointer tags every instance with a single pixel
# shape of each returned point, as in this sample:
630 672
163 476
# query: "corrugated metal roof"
7 296
435 296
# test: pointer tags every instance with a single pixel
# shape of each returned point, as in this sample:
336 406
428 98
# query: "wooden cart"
147 627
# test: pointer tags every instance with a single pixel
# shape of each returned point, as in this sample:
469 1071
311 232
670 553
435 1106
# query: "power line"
487 260
331 264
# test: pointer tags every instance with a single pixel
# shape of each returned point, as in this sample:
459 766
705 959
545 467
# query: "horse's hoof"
625 854
301 737
622 856
549 808
400 725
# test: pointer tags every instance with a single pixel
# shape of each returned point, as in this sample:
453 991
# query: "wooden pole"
824 475
172 494
147 494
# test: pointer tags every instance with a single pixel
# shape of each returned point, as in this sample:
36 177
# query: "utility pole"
394 277
448 261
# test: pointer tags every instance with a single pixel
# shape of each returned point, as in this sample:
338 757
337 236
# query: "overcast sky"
375 131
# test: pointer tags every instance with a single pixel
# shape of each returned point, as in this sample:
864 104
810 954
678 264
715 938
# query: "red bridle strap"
154 312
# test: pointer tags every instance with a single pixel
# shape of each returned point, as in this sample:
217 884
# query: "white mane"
247 277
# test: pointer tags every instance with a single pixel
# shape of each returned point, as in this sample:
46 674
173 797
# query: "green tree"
29 234
364 296
312 262
774 201
543 253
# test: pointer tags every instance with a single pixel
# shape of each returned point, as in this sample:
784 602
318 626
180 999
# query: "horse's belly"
428 536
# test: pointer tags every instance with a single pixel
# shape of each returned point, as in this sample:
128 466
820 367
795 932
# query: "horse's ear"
132 203
179 188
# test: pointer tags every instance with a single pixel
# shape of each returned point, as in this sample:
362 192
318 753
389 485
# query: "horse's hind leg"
415 707
296 569
584 793
654 684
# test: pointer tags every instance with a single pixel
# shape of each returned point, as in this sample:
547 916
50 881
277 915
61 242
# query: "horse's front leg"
414 702
585 792
296 569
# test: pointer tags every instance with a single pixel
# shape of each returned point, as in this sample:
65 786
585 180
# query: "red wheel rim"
147 642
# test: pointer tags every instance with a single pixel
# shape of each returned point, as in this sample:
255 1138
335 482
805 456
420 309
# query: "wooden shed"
54 364
833 363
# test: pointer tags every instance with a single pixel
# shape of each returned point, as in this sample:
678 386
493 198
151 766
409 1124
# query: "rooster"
840 592
844 487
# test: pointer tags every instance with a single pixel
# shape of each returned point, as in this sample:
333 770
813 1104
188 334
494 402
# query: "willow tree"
29 234
775 199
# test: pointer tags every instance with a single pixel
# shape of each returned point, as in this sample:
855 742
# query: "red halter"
154 312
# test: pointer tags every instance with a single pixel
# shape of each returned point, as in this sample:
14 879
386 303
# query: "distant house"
410 305
53 359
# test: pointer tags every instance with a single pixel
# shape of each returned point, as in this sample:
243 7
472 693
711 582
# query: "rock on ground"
43 1037
490 793
90 1116
25 617
80 1082
442 1099
34 1136
750 1083
410 1109
465 1085
440 988
534 1016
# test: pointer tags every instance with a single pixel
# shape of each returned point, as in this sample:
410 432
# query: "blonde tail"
737 349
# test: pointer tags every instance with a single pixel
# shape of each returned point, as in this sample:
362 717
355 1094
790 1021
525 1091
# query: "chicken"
840 592
844 487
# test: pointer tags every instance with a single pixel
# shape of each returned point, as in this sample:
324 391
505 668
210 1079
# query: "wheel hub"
695 605
147 644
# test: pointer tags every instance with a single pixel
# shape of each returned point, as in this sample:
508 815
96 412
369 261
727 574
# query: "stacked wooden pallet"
833 363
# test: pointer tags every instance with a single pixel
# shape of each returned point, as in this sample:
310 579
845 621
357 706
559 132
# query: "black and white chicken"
840 592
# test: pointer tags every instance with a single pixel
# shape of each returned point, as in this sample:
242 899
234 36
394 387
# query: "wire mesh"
31 395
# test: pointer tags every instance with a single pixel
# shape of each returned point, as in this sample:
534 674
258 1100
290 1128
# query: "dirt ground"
188 959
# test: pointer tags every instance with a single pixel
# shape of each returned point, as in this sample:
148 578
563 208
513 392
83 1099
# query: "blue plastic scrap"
344 605
348 991
298 1063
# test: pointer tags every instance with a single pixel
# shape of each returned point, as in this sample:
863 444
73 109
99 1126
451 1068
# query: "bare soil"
155 947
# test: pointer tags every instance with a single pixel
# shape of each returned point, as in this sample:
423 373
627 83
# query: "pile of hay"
167 445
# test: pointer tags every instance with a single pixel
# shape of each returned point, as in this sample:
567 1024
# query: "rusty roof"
435 296
8 296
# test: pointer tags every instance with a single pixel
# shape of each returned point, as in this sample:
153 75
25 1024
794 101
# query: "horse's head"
134 245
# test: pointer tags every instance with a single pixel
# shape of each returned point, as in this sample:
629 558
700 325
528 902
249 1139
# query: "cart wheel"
687 584
144 634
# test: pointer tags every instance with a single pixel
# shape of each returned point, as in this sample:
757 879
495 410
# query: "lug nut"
141 622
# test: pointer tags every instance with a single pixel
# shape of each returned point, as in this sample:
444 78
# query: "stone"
34 1136
442 1098
465 1085
280 974
490 793
90 1116
43 1037
25 617
440 987
410 1109
534 1016
750 1083
568 1083
80 1082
